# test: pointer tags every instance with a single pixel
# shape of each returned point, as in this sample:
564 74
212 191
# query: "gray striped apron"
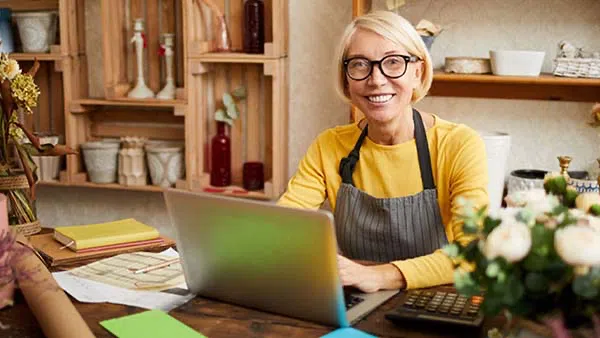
389 229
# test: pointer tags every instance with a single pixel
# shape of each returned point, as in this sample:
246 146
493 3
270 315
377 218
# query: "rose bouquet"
538 259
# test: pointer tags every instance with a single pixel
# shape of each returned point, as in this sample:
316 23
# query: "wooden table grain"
216 319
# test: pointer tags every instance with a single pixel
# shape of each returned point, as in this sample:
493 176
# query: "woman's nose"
377 78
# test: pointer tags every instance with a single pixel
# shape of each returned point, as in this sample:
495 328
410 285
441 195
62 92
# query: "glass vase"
220 152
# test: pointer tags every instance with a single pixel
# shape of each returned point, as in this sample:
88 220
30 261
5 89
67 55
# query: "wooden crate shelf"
201 79
201 37
112 186
36 56
260 134
233 58
120 63
87 105
30 5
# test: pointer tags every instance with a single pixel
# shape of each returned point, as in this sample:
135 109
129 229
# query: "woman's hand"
369 278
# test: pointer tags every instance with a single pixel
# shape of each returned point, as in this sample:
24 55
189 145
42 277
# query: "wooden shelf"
233 58
131 103
38 56
103 186
543 87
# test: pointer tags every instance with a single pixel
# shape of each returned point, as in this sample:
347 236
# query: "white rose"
585 200
522 197
578 245
511 240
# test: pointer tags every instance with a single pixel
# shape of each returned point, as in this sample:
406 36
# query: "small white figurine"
140 91
168 91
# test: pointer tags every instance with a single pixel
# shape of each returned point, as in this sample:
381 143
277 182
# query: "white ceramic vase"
37 30
165 163
497 147
101 161
132 166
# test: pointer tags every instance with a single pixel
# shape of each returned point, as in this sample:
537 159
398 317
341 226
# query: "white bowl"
516 62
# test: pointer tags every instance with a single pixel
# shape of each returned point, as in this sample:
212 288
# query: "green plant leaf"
221 117
536 282
535 262
584 287
513 290
490 224
239 93
232 112
228 100
451 250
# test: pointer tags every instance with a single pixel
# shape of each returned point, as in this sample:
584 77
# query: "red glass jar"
254 177
220 152
254 26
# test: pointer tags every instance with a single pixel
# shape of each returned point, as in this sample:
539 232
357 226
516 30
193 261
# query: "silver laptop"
263 256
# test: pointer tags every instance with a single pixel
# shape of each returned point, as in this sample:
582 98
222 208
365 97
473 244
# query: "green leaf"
595 210
584 287
535 262
556 185
492 270
513 290
569 198
232 112
239 93
536 282
221 117
228 99
490 224
451 250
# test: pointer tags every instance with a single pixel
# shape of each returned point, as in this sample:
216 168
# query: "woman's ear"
419 70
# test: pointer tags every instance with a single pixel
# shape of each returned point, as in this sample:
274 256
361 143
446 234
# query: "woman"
393 179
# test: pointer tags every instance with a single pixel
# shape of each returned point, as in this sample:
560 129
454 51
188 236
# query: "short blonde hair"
394 28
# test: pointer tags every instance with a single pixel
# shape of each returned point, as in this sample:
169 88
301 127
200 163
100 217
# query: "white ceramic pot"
48 167
497 147
516 62
37 30
101 161
165 163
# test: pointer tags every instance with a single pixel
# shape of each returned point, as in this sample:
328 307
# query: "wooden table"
216 319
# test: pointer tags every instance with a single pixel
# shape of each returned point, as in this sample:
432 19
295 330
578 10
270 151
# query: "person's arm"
307 189
469 180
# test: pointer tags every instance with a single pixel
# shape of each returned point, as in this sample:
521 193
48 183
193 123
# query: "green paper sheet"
149 324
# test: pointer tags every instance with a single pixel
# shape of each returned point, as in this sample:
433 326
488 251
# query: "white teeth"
380 98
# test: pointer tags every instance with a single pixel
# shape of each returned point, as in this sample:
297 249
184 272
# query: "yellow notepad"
80 237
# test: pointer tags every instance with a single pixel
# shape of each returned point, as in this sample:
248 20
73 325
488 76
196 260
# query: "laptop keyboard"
351 300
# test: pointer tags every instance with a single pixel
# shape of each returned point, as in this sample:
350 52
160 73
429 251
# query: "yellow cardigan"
459 169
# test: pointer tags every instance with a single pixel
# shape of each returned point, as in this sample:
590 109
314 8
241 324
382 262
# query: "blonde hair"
394 28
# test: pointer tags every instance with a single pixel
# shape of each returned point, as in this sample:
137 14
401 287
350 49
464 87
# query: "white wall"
541 130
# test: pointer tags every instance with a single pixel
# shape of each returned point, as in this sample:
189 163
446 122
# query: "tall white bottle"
140 91
168 91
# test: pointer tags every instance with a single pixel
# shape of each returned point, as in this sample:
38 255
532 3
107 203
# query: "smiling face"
380 98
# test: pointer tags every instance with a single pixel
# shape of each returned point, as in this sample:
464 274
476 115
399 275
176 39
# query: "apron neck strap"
348 163
423 152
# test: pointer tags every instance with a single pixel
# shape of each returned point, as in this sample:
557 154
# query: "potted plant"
538 260
19 94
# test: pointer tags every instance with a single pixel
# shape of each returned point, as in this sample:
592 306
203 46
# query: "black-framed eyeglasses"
392 66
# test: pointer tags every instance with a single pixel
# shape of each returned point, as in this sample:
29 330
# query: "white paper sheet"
89 291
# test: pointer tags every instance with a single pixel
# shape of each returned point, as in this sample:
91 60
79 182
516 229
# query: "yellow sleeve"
468 177
307 188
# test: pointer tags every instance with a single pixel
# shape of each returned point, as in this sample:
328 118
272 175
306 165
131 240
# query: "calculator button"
454 312
428 294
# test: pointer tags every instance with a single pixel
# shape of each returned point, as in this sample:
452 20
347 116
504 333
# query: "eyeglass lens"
392 66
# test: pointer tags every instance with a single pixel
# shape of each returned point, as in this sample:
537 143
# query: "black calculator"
439 307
